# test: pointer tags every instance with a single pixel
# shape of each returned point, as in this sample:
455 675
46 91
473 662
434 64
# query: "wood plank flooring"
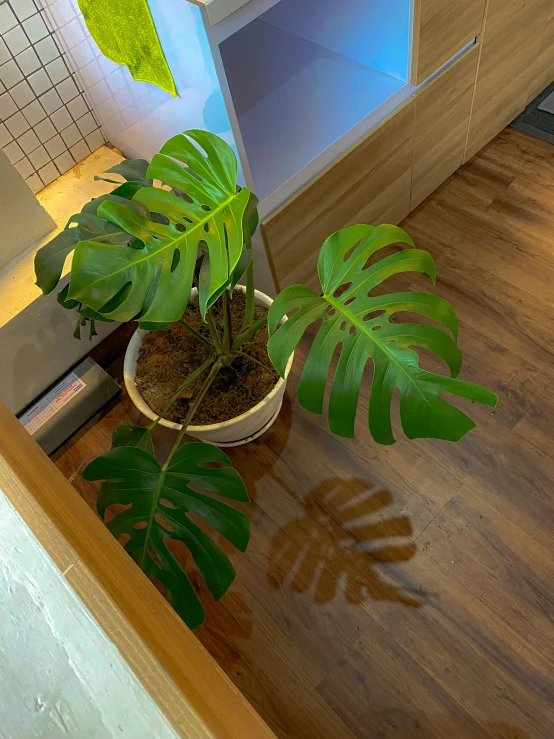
407 592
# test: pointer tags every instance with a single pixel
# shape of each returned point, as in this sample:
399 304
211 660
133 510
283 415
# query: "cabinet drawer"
544 67
442 28
369 184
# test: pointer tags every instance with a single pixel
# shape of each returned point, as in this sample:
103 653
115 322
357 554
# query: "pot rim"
130 384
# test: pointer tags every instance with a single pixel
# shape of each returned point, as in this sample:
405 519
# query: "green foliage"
252 218
128 435
156 280
137 250
168 230
251 214
133 170
50 258
162 500
121 194
360 323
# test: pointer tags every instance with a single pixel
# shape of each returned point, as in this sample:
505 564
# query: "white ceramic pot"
237 431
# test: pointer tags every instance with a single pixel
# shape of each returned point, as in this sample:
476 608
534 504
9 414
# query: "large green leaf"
252 218
360 324
157 279
126 434
50 259
120 194
161 502
133 170
70 304
66 302
251 214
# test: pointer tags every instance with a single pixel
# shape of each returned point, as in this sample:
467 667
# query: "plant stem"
211 325
245 336
271 370
226 323
192 412
178 393
194 333
199 398
213 331
77 332
249 309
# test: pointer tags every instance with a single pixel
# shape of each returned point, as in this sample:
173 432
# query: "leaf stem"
192 412
246 335
179 392
213 331
194 333
249 308
211 324
157 493
80 322
271 370
92 330
226 323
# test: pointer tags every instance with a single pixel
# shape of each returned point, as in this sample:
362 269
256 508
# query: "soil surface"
168 356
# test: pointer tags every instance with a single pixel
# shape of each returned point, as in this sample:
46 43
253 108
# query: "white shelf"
294 98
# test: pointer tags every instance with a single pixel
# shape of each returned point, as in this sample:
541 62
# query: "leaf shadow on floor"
256 460
341 543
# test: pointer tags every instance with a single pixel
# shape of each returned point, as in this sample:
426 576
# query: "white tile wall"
138 117
46 124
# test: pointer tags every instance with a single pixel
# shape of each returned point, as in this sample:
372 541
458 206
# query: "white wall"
36 334
22 219
135 116
60 677
46 125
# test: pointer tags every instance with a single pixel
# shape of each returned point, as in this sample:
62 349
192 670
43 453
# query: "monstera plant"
181 221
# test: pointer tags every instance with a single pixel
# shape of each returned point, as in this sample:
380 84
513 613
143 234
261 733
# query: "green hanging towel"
125 32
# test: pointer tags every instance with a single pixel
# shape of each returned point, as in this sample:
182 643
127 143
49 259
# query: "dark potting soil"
168 356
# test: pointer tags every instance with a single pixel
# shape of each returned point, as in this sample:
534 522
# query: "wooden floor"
408 591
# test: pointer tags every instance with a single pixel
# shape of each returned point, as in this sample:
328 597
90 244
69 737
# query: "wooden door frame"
187 685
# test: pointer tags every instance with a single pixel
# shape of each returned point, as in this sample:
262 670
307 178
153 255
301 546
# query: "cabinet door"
509 51
368 184
442 112
544 67
442 28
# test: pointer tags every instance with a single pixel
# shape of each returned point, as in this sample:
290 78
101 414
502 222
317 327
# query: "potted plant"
145 251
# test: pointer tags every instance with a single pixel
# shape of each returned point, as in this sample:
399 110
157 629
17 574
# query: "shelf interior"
372 32
294 97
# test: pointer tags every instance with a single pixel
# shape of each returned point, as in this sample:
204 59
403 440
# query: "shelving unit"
321 100
300 77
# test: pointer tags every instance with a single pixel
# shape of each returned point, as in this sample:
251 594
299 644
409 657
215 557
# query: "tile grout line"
68 149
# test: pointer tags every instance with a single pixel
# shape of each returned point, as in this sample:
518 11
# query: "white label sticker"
48 406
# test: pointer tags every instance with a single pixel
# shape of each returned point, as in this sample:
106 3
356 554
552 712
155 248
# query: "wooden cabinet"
369 184
442 111
500 9
543 73
510 49
442 28
400 163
